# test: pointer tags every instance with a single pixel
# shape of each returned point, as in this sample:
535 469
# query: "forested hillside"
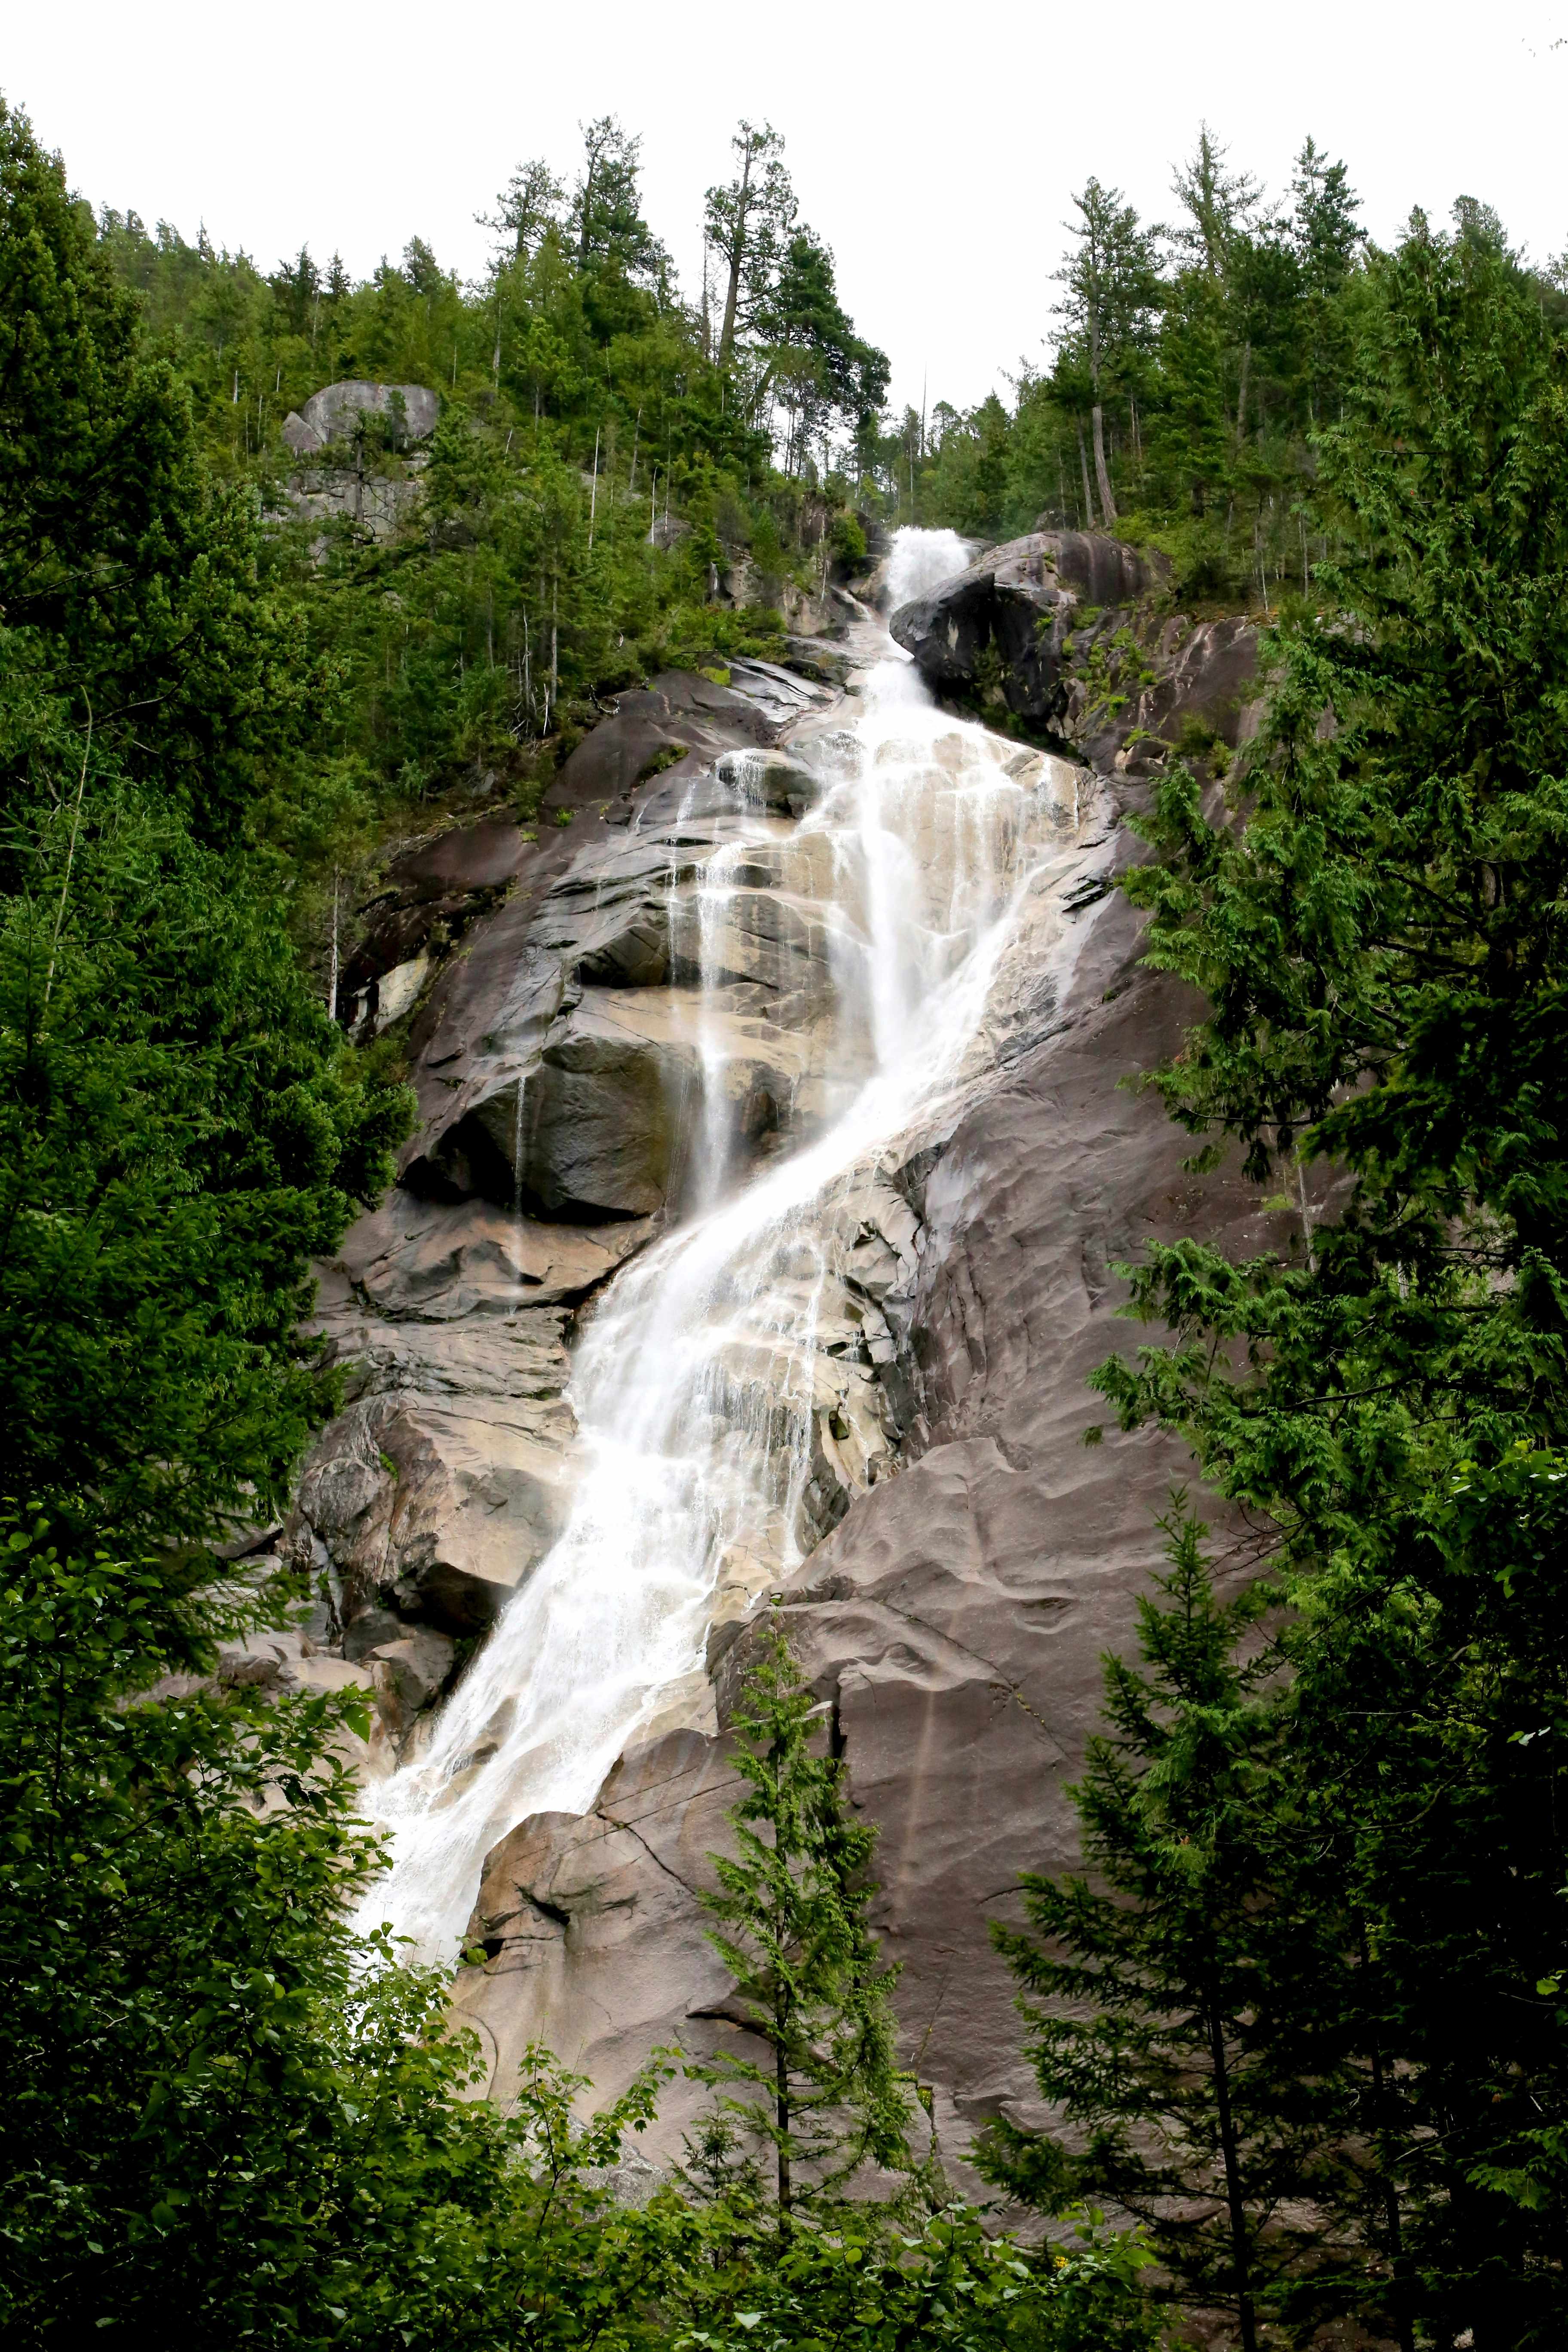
618 482
1301 2033
1191 365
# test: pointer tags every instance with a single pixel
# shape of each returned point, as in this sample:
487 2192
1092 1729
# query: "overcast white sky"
936 149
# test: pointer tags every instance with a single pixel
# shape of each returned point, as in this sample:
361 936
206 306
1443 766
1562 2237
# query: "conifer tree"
1110 288
1376 927
791 1911
1150 1996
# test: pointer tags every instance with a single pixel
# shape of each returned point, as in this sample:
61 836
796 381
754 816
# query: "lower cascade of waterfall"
712 1372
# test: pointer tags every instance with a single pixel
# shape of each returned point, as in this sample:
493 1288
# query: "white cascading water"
698 1376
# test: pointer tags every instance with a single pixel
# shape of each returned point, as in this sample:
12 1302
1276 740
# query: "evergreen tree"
1220 208
606 209
527 207
1110 291
1326 240
791 1910
133 576
1151 1994
1376 929
823 370
748 222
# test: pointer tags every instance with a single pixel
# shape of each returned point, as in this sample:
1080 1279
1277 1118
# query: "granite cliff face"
952 1560
1064 630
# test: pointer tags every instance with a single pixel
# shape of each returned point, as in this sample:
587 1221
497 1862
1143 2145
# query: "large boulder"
333 413
1006 620
1069 634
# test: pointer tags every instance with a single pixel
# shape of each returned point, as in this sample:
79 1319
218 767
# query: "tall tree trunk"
587 203
780 2116
1083 466
1101 472
737 259
1236 2209
554 651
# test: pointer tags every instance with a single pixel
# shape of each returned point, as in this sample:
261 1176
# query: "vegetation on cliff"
1193 365
1320 2044
1375 922
619 482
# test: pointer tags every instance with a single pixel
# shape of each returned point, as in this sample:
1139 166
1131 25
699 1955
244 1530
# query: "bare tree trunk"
70 861
1237 2211
780 2116
593 491
1101 471
1083 466
332 968
737 259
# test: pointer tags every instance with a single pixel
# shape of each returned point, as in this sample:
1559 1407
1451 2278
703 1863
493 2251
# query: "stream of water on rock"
700 1382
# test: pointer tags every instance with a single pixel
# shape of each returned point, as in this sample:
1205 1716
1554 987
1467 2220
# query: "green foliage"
220 2101
182 1128
952 2286
791 1906
532 571
1185 385
1376 926
1152 1995
181 1131
128 581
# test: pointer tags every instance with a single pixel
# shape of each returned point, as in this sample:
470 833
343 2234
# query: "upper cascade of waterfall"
920 561
734 1363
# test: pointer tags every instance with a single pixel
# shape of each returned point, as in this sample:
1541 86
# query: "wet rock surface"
955 1615
972 1557
1066 632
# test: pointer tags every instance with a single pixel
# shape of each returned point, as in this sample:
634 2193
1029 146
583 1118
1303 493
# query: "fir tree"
1110 291
1377 929
791 1910
1149 1995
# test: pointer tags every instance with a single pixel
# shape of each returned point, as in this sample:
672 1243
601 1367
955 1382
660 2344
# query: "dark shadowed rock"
1006 621
1051 629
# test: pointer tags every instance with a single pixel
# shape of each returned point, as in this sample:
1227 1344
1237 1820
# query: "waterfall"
703 1382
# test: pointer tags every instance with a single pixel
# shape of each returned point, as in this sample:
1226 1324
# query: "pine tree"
791 1910
1376 928
1149 1995
1110 288
748 222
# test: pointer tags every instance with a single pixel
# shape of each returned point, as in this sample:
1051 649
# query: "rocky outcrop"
954 1618
553 1052
972 1556
335 412
377 488
1065 633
